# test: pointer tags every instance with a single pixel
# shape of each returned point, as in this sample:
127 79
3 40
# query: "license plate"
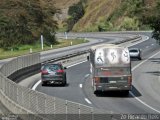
112 82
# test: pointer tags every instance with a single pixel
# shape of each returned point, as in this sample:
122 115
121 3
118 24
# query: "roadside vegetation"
75 12
26 49
121 15
151 17
23 21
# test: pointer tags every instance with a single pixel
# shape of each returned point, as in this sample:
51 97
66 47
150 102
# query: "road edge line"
133 93
36 85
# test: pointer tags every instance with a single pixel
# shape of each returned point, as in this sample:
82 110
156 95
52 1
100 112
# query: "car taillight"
44 72
129 80
60 71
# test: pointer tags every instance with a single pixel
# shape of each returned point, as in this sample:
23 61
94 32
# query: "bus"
110 68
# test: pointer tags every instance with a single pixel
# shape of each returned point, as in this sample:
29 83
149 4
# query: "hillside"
96 11
63 5
100 15
113 15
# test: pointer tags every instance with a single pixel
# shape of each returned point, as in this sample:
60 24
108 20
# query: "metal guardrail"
29 104
80 52
129 39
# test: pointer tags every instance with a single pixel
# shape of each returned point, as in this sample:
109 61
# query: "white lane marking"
147 46
87 75
86 61
147 37
145 61
89 102
36 85
133 94
80 85
144 103
138 42
76 64
152 44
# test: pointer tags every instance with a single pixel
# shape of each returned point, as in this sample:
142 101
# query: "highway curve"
144 97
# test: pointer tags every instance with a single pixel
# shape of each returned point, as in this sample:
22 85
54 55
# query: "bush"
129 24
105 26
25 24
76 12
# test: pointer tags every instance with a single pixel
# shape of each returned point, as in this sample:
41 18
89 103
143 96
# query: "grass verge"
26 49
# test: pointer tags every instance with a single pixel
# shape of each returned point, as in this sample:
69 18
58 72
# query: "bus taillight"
96 79
130 80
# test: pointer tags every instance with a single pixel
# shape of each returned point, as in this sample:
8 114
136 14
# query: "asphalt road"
94 38
144 98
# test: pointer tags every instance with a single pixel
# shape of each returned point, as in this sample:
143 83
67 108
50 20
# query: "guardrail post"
37 103
22 98
66 109
29 101
54 107
92 114
3 85
45 104
79 112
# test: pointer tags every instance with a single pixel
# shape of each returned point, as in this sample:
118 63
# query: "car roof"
52 64
133 48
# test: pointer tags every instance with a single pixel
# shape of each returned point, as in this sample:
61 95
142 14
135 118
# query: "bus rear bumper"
113 88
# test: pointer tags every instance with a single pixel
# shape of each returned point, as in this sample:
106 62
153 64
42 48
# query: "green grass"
25 49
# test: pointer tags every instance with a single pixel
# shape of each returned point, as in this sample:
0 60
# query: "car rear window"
52 67
133 50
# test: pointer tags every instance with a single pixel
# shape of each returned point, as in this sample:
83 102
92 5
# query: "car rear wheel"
44 83
140 58
65 81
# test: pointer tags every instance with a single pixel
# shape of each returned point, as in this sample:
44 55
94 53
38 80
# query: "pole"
66 35
42 41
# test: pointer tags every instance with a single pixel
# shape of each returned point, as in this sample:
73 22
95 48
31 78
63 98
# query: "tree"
22 22
152 17
76 12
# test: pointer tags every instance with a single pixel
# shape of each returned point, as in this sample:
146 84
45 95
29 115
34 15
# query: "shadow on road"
135 59
120 94
155 60
135 92
56 85
157 73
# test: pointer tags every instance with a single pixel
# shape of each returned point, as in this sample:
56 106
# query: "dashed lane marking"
89 102
80 85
